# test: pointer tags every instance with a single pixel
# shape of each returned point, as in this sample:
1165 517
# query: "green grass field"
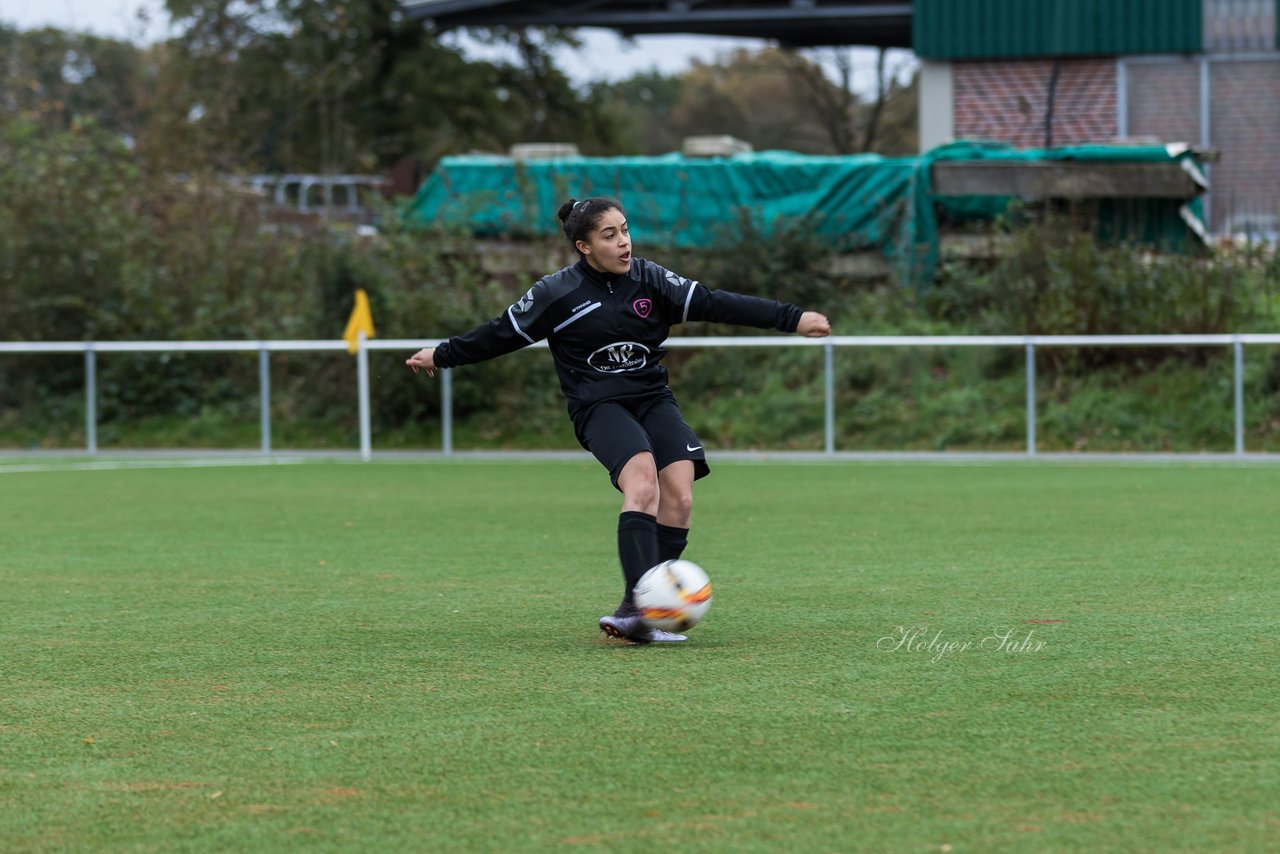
403 656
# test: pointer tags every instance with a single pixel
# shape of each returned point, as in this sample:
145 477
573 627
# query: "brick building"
1062 72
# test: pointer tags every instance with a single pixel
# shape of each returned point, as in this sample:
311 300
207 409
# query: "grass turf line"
339 656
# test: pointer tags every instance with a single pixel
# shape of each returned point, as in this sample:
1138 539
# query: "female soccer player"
605 319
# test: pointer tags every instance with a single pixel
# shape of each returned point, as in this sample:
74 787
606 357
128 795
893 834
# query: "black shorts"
616 430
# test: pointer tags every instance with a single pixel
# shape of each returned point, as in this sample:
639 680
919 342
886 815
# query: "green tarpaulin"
857 202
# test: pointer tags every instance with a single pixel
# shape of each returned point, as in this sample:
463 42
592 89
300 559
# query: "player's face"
608 247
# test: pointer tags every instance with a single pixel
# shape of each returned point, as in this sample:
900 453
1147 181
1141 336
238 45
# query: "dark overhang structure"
798 23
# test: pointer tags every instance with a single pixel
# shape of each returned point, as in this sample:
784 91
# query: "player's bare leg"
675 509
638 481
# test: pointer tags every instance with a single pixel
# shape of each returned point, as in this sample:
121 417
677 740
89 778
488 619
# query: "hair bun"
566 209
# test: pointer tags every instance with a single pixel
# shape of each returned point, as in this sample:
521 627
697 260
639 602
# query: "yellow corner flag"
361 321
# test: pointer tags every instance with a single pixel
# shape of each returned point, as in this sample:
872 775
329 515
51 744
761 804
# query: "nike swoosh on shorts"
689 447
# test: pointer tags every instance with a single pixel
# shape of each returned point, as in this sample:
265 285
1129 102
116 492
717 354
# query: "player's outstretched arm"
525 322
687 300
813 324
424 359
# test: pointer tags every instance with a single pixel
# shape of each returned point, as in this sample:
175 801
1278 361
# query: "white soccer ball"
673 596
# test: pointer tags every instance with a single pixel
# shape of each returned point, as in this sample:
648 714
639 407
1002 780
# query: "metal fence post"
362 381
90 399
264 395
829 396
1238 382
1031 398
1206 135
1122 99
446 412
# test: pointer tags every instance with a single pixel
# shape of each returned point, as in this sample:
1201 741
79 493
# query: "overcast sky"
605 56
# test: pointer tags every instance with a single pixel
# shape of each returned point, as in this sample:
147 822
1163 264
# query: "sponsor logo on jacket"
620 357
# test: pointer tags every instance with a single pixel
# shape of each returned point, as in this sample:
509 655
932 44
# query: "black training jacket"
605 331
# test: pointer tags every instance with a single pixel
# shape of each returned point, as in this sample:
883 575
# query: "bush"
1058 281
95 245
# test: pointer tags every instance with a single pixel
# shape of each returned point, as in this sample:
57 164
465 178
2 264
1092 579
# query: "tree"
899 124
834 107
306 86
640 109
56 79
750 95
302 86
854 124
539 102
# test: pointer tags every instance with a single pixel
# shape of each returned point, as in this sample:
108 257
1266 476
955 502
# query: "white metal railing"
280 184
1029 343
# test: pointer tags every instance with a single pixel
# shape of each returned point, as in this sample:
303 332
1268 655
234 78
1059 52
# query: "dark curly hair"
579 218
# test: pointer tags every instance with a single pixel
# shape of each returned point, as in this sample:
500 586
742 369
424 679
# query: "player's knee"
641 494
677 503
639 484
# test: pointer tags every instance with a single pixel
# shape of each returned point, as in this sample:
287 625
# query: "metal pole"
264 395
446 412
1122 99
1206 135
829 396
1031 398
362 377
1238 346
90 399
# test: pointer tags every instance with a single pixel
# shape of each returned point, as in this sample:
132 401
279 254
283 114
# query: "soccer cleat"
632 630
625 628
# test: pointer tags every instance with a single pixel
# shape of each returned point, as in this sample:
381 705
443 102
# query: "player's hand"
424 359
813 325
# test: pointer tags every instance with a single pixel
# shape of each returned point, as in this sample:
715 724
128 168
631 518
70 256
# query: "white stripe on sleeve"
516 326
688 299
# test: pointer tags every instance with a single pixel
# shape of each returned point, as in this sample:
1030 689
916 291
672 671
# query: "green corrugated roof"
1006 29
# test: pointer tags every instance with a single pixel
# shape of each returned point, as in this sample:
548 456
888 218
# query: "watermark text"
934 645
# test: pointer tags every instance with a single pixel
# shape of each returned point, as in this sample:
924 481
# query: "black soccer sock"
671 542
638 551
